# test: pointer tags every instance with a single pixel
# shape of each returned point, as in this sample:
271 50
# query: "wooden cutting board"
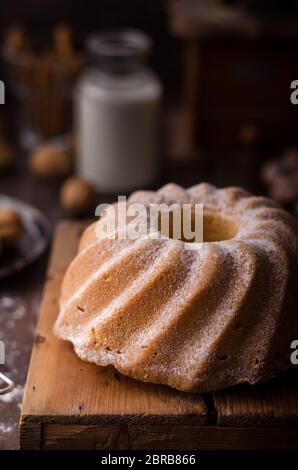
70 404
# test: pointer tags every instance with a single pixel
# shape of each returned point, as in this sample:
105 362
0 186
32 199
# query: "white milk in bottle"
117 114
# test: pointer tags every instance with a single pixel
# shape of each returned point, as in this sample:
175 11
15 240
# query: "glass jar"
117 114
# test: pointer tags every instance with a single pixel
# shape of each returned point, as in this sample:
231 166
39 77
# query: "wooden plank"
212 438
272 404
57 436
83 437
63 389
30 435
65 245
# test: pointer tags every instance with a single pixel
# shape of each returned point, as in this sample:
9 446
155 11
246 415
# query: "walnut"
77 196
11 226
51 161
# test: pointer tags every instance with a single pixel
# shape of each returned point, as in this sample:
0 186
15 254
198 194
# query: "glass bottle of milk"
117 114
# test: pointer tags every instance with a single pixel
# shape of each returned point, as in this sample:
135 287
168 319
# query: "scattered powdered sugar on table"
16 395
16 323
10 406
12 310
5 429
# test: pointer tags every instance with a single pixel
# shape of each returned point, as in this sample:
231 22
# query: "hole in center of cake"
179 224
196 228
216 228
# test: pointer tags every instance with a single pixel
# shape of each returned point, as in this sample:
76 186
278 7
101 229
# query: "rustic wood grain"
30 435
156 437
212 438
83 437
63 389
272 404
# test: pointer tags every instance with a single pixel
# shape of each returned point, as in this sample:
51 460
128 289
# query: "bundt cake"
197 320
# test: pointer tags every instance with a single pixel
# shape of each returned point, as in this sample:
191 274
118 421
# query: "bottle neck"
118 68
119 53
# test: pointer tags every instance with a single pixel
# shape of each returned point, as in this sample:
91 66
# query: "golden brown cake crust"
197 320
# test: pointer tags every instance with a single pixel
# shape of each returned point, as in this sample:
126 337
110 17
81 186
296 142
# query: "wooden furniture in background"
71 404
238 71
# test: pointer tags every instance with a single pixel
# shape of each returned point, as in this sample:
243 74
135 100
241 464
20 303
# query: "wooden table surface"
20 295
